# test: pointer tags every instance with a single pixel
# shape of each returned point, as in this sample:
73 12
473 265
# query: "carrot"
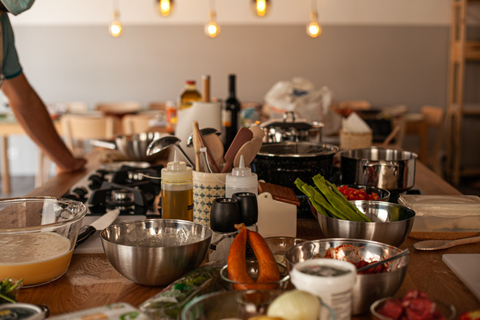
267 266
236 264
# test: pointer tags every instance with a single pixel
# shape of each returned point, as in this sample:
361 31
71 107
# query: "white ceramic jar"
329 279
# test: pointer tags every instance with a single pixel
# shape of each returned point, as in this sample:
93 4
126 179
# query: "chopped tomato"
357 194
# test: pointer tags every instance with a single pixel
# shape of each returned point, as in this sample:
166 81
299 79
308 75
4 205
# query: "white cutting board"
466 267
94 244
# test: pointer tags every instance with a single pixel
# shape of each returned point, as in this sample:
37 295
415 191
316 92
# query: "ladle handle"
186 157
464 241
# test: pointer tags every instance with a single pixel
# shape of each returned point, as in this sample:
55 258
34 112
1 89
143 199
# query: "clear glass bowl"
37 237
446 310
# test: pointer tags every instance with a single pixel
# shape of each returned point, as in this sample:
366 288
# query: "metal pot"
291 130
389 169
282 163
133 147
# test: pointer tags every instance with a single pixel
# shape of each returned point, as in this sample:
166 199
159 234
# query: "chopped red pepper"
357 194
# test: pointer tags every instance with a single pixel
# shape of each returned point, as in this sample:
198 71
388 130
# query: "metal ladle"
204 132
379 263
165 142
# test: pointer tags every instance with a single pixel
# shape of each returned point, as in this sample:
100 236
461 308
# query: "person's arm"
32 114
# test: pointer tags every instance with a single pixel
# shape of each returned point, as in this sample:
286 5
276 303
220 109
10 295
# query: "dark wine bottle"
230 114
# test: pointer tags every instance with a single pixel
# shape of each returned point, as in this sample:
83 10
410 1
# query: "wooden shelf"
462 50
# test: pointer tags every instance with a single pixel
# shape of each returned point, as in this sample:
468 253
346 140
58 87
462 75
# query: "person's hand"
76 165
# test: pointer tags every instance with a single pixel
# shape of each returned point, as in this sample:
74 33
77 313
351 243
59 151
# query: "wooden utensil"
247 152
257 132
211 160
279 193
196 146
243 135
216 147
443 244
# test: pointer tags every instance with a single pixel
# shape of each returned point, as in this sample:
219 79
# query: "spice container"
177 191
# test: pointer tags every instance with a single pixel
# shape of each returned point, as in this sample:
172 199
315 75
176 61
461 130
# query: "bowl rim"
208 230
386 245
382 203
378 302
283 280
76 218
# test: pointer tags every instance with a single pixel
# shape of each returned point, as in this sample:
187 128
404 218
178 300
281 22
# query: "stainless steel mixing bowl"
155 252
391 224
368 287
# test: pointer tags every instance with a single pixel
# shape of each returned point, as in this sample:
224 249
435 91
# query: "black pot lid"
296 149
289 122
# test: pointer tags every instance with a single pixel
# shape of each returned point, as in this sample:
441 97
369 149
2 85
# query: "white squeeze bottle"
241 179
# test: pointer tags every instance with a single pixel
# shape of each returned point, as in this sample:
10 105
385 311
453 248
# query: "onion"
295 305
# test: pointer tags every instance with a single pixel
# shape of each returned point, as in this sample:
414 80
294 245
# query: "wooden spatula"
244 135
211 160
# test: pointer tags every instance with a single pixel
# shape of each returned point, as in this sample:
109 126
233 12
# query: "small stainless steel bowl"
155 252
368 287
383 194
391 224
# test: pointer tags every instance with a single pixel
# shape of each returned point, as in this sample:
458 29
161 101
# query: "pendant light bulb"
313 28
115 28
164 7
260 7
212 29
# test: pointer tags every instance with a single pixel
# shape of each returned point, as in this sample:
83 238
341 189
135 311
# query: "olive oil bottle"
177 191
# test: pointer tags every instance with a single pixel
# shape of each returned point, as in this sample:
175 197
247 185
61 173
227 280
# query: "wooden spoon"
249 151
213 165
443 244
216 147
197 145
257 132
243 135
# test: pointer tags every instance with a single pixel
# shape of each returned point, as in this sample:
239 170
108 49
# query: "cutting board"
465 266
94 244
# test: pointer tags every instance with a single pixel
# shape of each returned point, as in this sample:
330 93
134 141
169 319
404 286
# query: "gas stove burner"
121 198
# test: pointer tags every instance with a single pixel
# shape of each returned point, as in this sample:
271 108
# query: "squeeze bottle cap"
241 171
176 171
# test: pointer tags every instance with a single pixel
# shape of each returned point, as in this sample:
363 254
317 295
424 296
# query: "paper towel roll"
208 114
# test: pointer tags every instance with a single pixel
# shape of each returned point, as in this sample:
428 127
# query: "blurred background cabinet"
463 52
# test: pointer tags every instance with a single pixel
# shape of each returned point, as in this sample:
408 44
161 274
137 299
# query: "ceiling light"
115 28
313 28
164 7
212 29
260 7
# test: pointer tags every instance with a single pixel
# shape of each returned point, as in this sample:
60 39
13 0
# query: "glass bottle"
188 95
177 191
230 114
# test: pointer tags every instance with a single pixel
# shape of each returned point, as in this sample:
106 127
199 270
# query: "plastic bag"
308 102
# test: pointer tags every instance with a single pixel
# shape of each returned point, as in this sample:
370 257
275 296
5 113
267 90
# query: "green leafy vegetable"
328 201
7 290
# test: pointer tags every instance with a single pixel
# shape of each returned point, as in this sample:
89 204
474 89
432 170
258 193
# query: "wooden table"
91 281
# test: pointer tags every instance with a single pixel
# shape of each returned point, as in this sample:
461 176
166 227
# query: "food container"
282 163
445 311
155 252
446 213
252 270
368 287
291 129
389 169
37 237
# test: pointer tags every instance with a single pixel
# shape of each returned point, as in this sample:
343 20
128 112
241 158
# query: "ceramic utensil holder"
206 187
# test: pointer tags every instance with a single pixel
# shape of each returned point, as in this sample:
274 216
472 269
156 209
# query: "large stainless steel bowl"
155 252
368 287
391 224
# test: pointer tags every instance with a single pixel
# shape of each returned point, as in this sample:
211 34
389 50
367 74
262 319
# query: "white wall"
188 12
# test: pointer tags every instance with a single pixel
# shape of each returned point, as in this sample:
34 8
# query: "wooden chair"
118 110
137 123
76 129
435 119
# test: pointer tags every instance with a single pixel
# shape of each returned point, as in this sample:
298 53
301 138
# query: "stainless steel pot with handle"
292 130
389 169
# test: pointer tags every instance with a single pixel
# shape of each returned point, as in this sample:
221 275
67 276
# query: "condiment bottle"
241 179
188 95
177 191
